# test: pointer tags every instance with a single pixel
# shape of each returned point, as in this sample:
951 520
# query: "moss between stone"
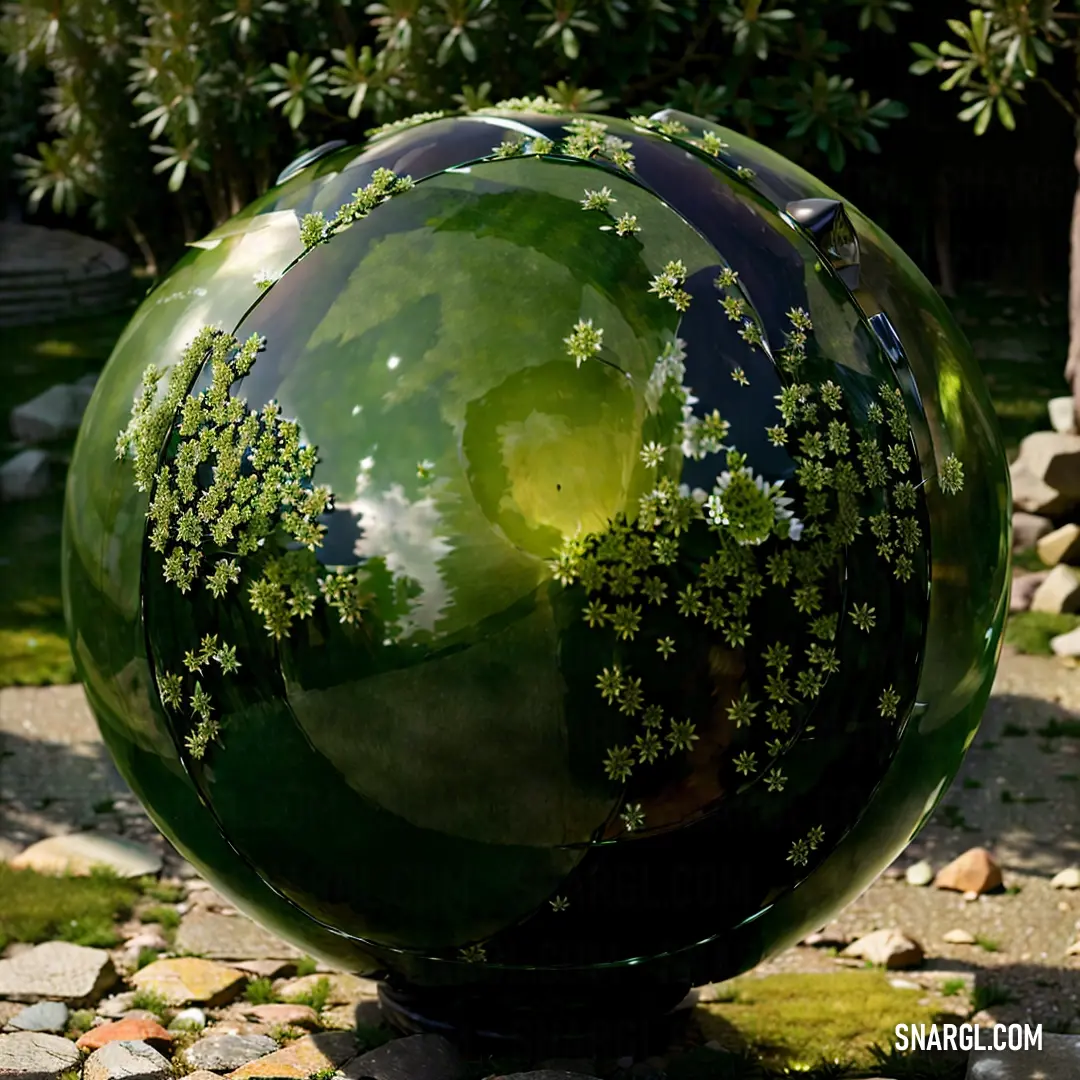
38 907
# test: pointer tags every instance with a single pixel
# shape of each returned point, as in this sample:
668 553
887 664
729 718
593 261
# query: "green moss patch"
804 1021
38 907
1031 631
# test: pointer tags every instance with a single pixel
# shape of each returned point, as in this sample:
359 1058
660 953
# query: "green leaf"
973 110
569 43
1005 114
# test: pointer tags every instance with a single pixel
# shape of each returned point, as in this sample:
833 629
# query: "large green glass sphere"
546 547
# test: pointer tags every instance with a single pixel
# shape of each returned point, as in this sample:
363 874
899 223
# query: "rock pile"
1046 498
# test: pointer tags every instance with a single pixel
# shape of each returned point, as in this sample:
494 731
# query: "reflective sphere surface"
588 554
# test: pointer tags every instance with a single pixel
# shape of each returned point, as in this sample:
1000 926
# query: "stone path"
1018 795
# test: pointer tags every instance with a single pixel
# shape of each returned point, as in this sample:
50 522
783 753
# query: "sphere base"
553 1021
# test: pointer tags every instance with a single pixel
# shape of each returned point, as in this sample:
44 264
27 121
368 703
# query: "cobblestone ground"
1018 795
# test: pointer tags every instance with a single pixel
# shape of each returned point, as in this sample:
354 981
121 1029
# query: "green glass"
461 784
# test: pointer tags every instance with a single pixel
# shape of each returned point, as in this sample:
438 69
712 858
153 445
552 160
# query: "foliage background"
154 120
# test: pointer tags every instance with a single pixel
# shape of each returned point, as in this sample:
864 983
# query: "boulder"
59 970
225 1052
345 989
416 1057
44 1016
1023 590
1028 529
285 1015
51 415
1060 546
190 980
919 874
35 1055
1062 413
79 853
1058 592
1036 496
1067 644
1056 1055
1068 878
1054 459
230 937
129 1029
958 937
886 948
300 1059
126 1061
25 476
976 871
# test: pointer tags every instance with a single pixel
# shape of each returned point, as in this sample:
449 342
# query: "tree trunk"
144 246
1072 365
943 237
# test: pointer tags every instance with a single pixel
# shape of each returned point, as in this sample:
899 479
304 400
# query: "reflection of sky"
404 534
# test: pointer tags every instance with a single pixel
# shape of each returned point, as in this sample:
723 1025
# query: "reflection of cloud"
403 533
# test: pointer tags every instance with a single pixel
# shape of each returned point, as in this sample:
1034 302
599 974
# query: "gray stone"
79 853
1060 546
192 1019
223 1053
1062 412
416 1057
25 476
33 1055
1068 878
1066 644
126 1060
919 874
1034 495
1060 592
1059 1056
70 973
1028 529
44 1016
51 415
230 937
1023 589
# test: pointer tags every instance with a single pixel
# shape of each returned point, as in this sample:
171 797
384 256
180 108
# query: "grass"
33 641
1031 631
39 907
988 995
168 918
306 965
162 892
147 956
952 987
260 992
987 944
803 1020
152 1002
316 997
